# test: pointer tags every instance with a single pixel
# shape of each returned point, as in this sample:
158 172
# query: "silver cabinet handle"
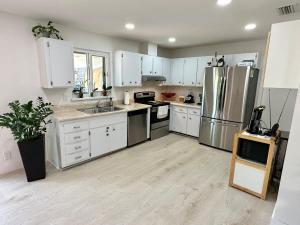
78 157
76 127
77 137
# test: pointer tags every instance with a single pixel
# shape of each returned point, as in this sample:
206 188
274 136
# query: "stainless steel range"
160 113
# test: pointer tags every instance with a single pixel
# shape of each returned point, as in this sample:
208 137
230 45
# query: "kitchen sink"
100 109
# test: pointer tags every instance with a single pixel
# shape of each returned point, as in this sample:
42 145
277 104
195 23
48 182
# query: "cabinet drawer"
77 147
75 126
77 157
180 109
76 137
193 111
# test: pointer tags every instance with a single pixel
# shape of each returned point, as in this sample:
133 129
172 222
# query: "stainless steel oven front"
159 126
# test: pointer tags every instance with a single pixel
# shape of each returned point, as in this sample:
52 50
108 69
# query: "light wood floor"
170 181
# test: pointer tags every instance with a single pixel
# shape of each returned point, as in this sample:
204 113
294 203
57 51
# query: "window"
90 70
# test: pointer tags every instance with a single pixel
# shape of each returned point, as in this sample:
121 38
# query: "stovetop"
157 103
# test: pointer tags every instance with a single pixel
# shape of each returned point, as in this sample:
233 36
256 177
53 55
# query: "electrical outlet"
7 155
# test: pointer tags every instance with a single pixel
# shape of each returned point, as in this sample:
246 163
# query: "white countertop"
66 113
190 105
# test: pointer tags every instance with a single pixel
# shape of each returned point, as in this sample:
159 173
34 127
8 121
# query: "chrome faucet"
105 102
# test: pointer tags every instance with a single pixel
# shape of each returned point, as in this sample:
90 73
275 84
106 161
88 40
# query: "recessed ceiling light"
172 39
223 2
129 26
250 26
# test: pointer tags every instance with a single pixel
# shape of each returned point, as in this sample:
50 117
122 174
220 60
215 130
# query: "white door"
193 125
157 65
118 136
147 65
131 69
100 141
61 63
190 72
177 71
179 122
167 70
202 64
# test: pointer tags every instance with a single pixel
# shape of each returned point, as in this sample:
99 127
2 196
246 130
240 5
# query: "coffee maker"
254 126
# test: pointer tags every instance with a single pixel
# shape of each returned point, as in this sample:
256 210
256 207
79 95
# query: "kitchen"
23 51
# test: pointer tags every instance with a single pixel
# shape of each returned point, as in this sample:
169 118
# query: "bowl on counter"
169 96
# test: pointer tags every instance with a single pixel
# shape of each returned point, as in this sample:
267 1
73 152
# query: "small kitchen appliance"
189 98
254 126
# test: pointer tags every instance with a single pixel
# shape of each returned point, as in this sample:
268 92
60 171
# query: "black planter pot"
33 157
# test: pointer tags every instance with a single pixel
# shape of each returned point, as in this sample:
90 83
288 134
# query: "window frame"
106 66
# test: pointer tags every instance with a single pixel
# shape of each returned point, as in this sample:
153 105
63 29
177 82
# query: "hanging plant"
48 31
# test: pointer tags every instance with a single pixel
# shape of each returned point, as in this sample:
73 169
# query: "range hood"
153 78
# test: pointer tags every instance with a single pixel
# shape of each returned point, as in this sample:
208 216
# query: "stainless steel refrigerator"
227 104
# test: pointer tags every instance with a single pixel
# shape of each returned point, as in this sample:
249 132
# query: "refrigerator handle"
223 94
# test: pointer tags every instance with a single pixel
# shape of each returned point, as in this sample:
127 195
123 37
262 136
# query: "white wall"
288 202
277 95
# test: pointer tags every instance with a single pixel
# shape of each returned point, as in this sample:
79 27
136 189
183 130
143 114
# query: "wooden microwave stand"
247 174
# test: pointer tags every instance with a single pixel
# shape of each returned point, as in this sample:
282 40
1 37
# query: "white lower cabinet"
100 141
72 142
108 138
180 120
185 120
193 125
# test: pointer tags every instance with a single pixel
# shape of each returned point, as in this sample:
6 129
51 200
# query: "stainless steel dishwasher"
137 127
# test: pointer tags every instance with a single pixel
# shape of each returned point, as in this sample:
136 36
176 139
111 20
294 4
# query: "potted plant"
48 31
27 123
105 88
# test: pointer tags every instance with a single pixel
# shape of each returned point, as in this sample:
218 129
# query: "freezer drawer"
218 133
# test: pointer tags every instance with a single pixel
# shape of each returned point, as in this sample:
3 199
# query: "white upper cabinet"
202 64
177 66
151 65
56 63
190 71
166 72
157 66
283 68
147 65
127 69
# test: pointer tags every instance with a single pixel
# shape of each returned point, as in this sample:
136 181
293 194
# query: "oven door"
155 119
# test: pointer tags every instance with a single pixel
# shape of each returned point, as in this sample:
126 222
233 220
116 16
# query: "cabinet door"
167 70
202 64
193 125
190 71
100 141
118 136
177 71
61 63
157 66
131 69
179 122
147 65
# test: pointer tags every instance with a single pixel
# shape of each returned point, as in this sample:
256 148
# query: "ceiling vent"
287 10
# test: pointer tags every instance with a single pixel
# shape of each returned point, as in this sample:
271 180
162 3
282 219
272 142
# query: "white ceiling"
192 22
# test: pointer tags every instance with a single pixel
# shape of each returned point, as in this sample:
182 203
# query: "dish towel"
162 112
